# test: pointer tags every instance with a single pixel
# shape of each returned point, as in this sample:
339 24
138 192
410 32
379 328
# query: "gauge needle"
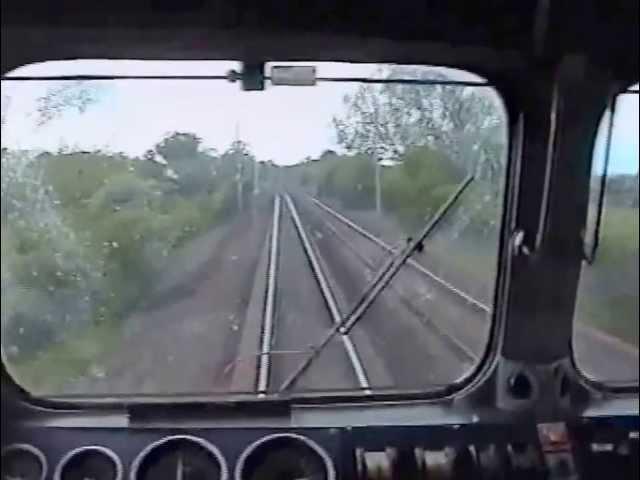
180 472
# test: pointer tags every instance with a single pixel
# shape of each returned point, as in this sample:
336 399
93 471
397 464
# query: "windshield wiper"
377 284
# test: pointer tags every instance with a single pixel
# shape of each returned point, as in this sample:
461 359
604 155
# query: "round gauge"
285 457
23 462
182 457
89 463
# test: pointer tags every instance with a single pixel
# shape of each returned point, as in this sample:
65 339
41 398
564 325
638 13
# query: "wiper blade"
377 284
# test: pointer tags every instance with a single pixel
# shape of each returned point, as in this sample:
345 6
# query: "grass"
608 291
617 315
608 296
48 371
469 265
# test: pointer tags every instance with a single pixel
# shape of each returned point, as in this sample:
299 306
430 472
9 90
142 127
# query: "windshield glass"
185 236
606 315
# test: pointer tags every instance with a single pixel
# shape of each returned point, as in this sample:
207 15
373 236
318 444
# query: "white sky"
625 146
284 124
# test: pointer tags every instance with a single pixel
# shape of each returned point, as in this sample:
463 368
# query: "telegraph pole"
256 177
239 173
378 182
239 185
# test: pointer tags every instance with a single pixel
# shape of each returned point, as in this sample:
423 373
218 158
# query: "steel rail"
266 339
328 297
379 283
415 265
459 346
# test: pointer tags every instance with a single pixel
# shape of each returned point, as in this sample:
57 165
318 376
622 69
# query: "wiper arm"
377 284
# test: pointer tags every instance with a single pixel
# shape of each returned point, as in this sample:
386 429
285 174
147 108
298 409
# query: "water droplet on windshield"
97 371
115 244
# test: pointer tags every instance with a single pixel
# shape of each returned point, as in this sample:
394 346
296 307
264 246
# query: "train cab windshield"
167 232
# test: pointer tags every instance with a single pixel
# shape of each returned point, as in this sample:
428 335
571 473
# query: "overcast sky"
284 124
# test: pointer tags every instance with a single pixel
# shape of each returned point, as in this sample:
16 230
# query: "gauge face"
180 458
22 463
284 458
90 463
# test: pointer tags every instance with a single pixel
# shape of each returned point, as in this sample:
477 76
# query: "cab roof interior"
485 36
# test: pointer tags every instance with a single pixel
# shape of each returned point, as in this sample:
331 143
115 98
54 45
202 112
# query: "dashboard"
588 449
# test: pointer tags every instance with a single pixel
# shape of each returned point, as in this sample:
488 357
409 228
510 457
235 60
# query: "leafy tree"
68 96
191 166
85 234
385 121
6 101
179 146
75 177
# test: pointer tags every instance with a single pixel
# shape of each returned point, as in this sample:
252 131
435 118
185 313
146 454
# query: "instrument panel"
586 449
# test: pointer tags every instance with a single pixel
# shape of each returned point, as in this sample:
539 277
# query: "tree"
191 166
178 146
6 101
237 160
76 96
385 121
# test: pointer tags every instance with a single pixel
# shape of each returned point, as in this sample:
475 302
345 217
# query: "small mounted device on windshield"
296 76
253 77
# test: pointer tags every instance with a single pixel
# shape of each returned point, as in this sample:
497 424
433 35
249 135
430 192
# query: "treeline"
608 296
84 234
426 138
621 189
411 191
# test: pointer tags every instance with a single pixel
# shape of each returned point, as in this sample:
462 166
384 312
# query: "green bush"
97 227
75 177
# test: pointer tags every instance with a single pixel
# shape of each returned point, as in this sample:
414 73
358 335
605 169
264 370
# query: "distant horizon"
132 117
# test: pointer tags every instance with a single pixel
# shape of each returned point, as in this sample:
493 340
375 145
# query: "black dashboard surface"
600 446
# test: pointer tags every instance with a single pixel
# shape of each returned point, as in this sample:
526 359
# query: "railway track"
270 314
327 259
288 277
412 263
622 356
440 327
373 353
